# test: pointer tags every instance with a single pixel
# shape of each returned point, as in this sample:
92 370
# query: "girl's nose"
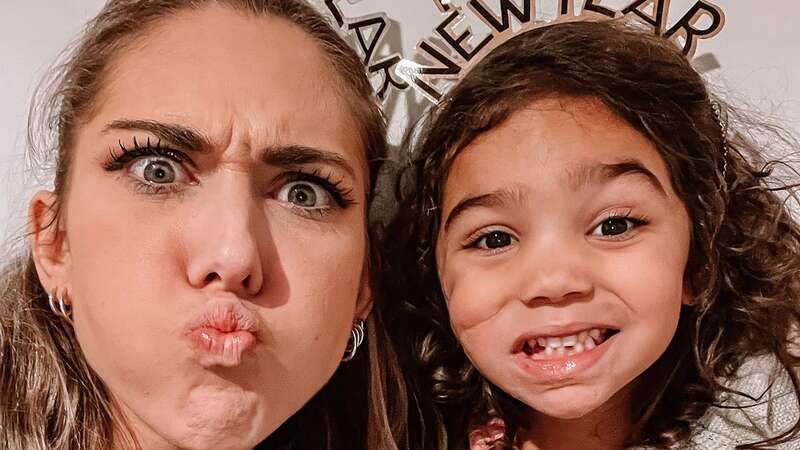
556 271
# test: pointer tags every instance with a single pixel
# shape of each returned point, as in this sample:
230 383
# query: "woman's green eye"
159 172
156 171
305 195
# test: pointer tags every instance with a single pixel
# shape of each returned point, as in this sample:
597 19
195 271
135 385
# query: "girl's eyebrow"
579 177
498 197
598 173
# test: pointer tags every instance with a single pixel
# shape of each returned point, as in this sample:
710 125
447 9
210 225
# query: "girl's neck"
605 428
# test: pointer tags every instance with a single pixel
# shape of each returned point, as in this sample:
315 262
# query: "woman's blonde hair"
50 398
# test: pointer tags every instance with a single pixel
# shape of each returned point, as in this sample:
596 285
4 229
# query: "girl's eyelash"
627 215
119 158
638 220
342 196
473 239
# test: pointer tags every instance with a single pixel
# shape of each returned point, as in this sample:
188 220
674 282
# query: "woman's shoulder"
764 407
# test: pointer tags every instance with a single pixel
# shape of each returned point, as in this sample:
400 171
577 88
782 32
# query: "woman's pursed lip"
224 315
221 332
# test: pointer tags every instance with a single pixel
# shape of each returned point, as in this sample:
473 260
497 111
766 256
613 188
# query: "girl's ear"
48 242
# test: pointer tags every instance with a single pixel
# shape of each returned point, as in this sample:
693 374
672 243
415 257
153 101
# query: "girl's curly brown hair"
743 267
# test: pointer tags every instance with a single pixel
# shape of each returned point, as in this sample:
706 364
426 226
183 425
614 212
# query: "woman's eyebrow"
295 155
278 155
180 135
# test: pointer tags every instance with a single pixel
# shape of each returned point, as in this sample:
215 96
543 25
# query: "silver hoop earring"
59 307
357 335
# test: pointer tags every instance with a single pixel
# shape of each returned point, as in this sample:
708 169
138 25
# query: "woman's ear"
365 300
48 242
687 297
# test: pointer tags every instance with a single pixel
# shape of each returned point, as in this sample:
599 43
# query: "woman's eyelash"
121 156
342 196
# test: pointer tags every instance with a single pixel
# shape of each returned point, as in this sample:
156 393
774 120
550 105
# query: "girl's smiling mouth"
562 353
545 347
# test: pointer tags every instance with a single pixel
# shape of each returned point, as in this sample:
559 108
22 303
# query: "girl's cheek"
472 298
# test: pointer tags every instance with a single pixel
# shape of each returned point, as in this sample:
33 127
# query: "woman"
201 267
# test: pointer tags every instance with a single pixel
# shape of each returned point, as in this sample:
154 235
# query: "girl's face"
561 255
214 229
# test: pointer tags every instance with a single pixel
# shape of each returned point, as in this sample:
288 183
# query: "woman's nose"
223 239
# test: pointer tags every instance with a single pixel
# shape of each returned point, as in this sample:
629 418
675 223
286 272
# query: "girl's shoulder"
485 437
768 407
765 407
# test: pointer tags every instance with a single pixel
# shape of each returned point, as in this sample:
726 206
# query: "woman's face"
214 247
562 255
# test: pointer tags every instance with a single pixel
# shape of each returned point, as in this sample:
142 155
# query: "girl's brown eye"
494 240
614 226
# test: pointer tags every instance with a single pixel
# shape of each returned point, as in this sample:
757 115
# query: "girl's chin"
565 412
568 404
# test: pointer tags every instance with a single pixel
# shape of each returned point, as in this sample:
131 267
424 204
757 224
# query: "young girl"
590 258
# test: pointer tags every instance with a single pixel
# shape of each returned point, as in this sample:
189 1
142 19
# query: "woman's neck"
131 433
605 428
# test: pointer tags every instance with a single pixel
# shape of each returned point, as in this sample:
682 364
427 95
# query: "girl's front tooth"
554 342
569 341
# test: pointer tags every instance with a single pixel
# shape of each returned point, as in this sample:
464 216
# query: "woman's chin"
217 418
206 442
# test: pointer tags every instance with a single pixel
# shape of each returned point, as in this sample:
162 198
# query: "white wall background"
32 33
759 51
